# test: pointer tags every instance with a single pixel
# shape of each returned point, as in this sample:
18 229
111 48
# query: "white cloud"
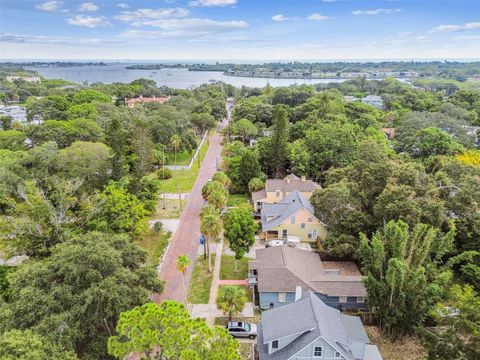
123 6
88 6
318 17
422 38
468 38
375 11
211 3
451 28
50 5
280 18
152 14
187 27
52 40
89 21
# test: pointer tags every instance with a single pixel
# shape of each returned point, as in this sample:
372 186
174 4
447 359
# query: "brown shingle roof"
295 183
259 195
282 268
345 267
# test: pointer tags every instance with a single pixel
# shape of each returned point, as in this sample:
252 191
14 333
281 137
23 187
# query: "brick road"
186 238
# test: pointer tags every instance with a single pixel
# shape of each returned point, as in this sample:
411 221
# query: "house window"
310 219
292 220
275 344
312 234
337 355
317 351
285 233
282 297
302 225
342 299
360 299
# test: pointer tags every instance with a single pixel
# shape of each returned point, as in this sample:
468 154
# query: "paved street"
186 238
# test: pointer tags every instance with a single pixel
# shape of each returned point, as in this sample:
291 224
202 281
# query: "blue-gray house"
278 271
307 329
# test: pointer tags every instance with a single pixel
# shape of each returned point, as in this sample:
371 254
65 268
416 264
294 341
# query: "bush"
164 174
256 184
158 226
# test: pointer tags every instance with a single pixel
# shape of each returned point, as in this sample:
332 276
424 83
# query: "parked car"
242 329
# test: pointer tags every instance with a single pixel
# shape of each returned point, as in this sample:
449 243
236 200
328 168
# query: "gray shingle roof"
288 351
283 268
371 353
273 215
311 318
294 318
293 183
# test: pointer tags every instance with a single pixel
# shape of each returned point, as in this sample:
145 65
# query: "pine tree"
116 140
250 168
279 148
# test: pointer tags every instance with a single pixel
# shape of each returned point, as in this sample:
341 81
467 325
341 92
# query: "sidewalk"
212 300
210 311
233 282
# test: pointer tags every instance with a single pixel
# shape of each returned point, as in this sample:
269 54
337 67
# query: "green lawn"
227 269
199 290
184 178
172 208
238 199
154 243
248 291
183 158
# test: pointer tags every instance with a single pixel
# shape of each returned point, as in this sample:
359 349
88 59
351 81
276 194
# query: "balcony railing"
252 279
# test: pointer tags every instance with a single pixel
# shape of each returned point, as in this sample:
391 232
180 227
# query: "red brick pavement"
233 282
186 238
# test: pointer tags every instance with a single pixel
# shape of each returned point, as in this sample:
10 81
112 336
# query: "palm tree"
176 141
231 300
211 227
182 265
218 199
208 209
222 178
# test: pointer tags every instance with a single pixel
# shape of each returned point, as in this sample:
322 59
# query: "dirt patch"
410 348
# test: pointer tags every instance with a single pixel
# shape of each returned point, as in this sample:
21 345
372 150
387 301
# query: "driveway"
186 238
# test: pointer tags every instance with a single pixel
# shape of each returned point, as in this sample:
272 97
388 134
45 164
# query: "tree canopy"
166 330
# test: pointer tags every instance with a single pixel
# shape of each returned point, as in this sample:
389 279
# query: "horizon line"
432 59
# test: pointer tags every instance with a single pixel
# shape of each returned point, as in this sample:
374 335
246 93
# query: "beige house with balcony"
277 189
291 219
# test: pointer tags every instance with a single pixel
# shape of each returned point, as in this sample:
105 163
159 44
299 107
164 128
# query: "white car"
242 329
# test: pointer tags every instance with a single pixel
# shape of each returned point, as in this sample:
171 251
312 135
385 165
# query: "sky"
226 30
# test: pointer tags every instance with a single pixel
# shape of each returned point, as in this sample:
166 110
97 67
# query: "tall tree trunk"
209 257
175 155
184 289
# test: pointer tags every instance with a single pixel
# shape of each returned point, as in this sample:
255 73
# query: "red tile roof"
143 100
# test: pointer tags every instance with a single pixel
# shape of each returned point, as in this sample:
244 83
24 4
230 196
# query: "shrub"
158 226
164 174
256 184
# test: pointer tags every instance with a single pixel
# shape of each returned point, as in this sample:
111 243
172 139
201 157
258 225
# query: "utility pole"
198 154
180 198
202 237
